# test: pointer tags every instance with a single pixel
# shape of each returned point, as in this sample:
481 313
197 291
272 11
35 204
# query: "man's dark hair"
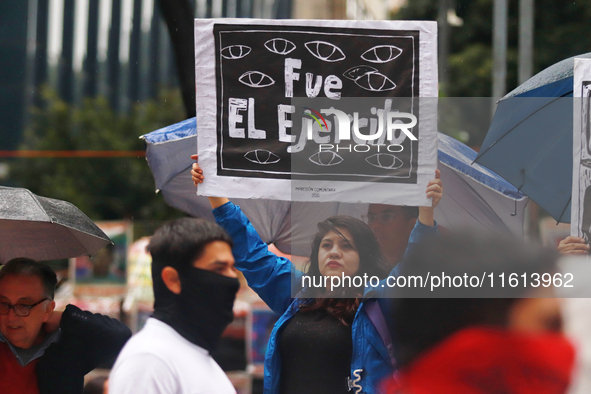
179 243
28 267
418 324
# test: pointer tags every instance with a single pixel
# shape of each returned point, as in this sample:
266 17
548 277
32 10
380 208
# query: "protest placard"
317 110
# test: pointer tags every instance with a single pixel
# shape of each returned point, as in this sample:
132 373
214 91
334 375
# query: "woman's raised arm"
269 275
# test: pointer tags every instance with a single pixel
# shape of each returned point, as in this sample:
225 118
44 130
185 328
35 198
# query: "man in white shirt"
195 285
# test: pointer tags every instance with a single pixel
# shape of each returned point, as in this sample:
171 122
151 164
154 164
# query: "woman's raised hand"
196 171
198 177
435 192
573 245
435 189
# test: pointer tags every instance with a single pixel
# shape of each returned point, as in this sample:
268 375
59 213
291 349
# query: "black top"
86 340
316 351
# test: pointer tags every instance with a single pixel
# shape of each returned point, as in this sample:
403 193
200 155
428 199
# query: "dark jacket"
87 339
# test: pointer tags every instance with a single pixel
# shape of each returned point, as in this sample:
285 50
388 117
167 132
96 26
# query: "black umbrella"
42 228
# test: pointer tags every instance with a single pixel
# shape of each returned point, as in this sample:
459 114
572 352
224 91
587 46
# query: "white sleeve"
142 374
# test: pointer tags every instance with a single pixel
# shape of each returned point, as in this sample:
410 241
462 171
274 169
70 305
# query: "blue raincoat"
270 277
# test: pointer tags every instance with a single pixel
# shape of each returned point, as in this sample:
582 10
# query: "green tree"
560 29
559 32
103 188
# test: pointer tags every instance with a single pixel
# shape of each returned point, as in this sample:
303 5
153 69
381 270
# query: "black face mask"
203 309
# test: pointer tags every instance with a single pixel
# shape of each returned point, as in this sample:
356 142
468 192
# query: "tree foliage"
560 29
103 188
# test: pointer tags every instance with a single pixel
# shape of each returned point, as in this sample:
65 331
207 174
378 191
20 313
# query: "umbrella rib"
513 128
86 232
172 177
78 241
564 210
69 230
36 201
480 198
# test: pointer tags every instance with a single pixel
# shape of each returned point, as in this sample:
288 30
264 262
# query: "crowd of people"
349 339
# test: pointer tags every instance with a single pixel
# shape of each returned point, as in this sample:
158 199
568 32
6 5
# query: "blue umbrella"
530 140
474 196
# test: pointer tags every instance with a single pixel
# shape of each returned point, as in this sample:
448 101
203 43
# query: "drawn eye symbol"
261 156
235 51
325 159
384 160
357 72
381 54
375 82
256 79
325 51
280 46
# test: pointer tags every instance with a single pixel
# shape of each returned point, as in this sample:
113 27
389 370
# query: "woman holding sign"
327 339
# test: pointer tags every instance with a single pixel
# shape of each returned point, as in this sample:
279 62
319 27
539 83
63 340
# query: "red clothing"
14 378
489 361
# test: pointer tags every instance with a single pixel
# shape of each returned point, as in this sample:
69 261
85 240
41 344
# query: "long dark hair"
371 262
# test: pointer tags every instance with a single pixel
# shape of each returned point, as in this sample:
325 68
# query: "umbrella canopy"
530 140
43 229
473 195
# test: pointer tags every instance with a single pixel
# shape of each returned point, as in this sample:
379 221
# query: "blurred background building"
120 49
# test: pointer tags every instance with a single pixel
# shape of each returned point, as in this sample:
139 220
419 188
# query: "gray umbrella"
474 196
42 228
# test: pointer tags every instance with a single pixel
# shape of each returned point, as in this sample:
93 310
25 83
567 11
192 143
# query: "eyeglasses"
21 310
383 217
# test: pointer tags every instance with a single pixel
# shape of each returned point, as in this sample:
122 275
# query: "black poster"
259 69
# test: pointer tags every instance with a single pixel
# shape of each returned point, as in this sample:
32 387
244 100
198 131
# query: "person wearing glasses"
43 351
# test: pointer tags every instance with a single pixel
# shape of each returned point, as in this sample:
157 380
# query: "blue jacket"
271 277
